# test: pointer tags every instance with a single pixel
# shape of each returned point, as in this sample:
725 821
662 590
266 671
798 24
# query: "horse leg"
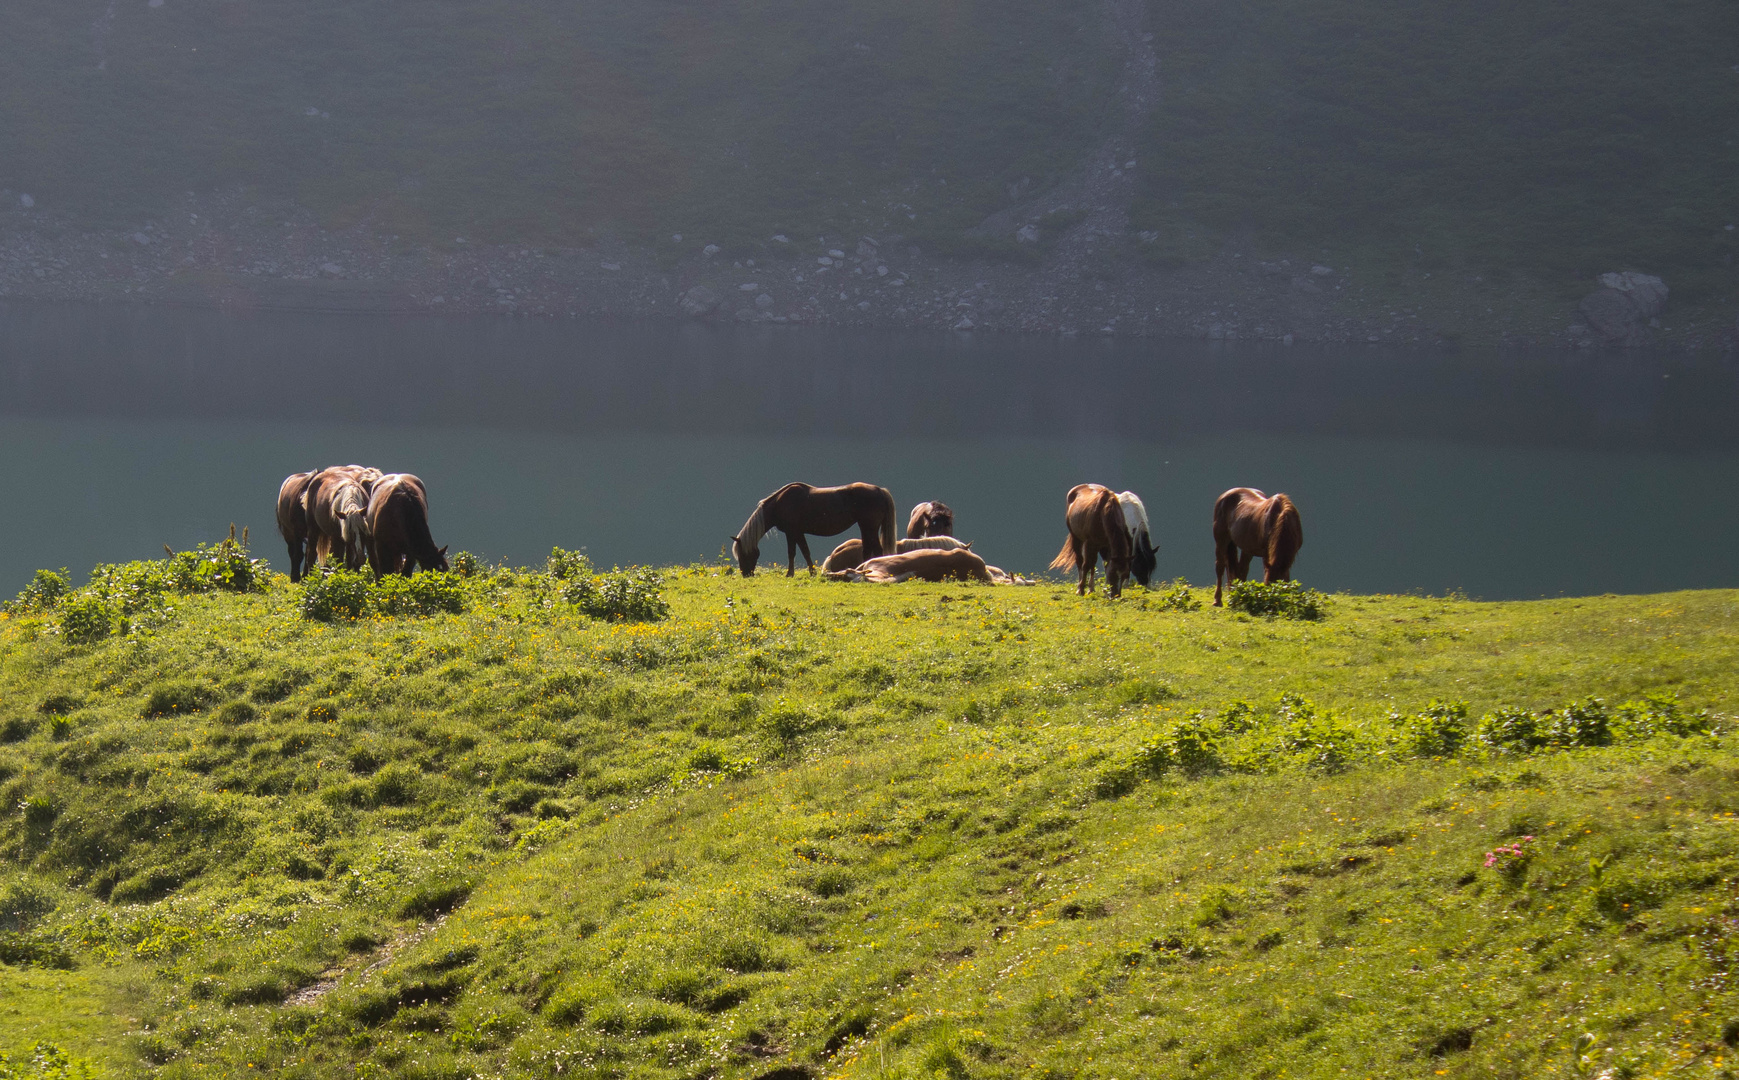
1242 565
803 546
1220 569
295 562
1089 568
791 554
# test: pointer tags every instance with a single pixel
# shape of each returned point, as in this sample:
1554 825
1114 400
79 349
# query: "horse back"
292 510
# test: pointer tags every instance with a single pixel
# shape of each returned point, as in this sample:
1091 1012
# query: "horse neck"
754 528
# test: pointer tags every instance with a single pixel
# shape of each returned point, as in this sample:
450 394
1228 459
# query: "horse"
1142 558
930 519
336 504
293 519
799 509
850 553
1096 527
924 564
1249 524
398 528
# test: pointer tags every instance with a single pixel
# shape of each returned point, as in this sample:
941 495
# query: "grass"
799 828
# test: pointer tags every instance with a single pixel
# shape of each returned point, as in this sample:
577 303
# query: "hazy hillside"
1510 152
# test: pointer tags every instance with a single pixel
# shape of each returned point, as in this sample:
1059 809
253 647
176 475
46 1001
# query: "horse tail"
1285 535
1067 558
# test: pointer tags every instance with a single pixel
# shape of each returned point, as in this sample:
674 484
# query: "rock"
699 301
710 250
867 248
1217 332
1027 234
747 315
610 266
781 238
750 287
965 323
1648 292
763 301
1321 271
836 253
824 260
676 238
141 239
1620 310
26 201
331 269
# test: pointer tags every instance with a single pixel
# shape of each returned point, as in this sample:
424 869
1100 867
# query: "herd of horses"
360 514
1103 524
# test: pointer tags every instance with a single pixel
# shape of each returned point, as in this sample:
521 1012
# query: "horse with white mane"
800 509
336 504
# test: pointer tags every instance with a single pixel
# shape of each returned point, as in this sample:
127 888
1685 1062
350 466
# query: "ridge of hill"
796 828
1123 167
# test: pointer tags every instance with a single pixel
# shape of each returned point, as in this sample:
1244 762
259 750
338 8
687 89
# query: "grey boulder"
1620 309
699 301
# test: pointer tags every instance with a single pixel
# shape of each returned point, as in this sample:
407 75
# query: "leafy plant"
1584 723
88 618
428 593
1439 729
1510 728
1174 596
45 591
1277 599
334 594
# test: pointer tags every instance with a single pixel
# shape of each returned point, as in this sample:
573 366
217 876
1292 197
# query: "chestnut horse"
1096 527
850 553
930 519
398 528
293 519
925 564
799 509
1248 525
336 504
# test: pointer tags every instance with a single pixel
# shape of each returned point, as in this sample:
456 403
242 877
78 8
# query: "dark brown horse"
336 505
1096 527
293 519
930 519
398 528
798 509
1248 525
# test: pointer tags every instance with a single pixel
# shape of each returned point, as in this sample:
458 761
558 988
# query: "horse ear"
966 546
443 550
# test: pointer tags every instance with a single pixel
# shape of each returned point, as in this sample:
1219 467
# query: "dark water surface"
1505 475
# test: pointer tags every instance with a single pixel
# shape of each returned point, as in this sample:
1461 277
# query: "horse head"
440 559
747 555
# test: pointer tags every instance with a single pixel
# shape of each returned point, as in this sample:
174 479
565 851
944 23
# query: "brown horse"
925 564
930 519
293 519
850 553
336 504
1249 524
1096 527
398 528
798 509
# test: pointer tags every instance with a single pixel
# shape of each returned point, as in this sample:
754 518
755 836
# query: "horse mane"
1112 508
889 512
749 536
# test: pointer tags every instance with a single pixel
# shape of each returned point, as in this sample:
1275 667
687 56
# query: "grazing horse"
798 509
930 519
1096 527
398 528
924 564
1142 558
850 553
336 503
293 519
1249 524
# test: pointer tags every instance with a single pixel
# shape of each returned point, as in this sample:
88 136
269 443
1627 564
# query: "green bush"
1439 729
1510 728
223 566
465 564
568 565
1277 599
1584 723
1174 596
1660 714
86 619
429 593
46 1062
334 594
632 595
44 591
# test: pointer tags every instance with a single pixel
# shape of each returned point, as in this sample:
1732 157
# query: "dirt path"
379 958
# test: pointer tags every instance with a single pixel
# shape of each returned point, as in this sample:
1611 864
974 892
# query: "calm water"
122 429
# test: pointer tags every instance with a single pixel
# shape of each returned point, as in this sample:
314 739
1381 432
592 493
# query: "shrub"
1282 599
45 591
1585 723
334 594
423 594
465 564
786 722
86 619
1192 744
46 1062
1439 729
1322 744
568 565
1510 728
223 566
1659 714
1174 596
632 595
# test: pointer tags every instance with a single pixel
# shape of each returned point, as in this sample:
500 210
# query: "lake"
1503 475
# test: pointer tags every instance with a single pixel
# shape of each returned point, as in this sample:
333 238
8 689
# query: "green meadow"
548 823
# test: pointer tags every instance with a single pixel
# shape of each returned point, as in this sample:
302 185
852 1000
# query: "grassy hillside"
797 828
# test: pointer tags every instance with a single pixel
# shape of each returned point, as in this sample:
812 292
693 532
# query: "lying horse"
336 503
293 519
930 519
799 509
1142 558
926 564
850 553
1096 526
398 528
1249 524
